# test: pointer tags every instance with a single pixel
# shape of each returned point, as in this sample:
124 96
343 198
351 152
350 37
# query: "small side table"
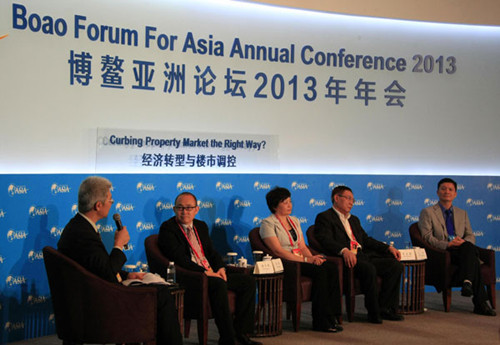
268 310
412 287
178 293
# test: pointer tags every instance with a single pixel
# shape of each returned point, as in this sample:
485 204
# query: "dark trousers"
466 258
168 332
389 269
244 287
326 297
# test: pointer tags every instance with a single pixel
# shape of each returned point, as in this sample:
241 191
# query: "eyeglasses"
184 208
349 198
104 202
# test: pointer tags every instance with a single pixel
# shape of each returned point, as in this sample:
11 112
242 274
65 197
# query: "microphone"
119 225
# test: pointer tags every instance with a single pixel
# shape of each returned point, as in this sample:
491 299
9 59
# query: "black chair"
196 301
351 285
296 287
89 309
440 272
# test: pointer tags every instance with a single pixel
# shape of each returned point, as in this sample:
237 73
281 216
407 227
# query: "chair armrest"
191 279
486 255
106 307
291 279
437 256
121 298
437 266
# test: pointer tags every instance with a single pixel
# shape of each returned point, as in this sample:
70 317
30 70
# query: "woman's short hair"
275 196
92 190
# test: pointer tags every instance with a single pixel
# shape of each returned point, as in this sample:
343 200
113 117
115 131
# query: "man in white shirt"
341 234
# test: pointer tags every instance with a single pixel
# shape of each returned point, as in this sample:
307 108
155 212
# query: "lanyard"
288 232
190 244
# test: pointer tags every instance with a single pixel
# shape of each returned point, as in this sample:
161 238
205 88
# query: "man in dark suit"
341 234
186 241
81 242
447 227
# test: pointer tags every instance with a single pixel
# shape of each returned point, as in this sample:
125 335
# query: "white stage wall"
441 120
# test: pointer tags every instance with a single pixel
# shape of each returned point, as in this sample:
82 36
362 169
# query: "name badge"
354 247
205 264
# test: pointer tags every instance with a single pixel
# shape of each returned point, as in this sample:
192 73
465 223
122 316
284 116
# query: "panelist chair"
89 309
351 285
441 273
196 301
296 287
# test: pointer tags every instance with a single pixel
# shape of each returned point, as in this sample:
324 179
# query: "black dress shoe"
374 318
467 289
484 309
334 329
243 339
392 316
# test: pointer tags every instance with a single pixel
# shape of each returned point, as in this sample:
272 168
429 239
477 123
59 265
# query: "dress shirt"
347 227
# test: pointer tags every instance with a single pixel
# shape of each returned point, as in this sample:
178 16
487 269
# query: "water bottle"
171 273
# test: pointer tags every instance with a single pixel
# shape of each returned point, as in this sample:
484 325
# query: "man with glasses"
81 241
186 241
341 234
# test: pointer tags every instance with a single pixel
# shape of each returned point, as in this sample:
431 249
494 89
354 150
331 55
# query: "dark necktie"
450 227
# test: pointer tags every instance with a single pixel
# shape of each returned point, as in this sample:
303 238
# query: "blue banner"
35 208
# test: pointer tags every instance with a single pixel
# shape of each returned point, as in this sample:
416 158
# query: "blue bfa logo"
145 187
13 190
56 188
299 186
242 203
493 187
121 207
223 222
35 211
409 218
257 221
35 255
13 235
413 186
374 219
474 202
317 203
374 186
185 187
164 206
222 186
257 185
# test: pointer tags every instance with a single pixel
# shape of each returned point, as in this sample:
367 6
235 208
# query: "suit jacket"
82 243
330 232
175 247
433 227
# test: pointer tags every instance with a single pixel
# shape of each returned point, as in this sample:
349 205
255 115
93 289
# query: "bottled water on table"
171 273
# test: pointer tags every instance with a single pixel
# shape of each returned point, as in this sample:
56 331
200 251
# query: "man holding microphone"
81 242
